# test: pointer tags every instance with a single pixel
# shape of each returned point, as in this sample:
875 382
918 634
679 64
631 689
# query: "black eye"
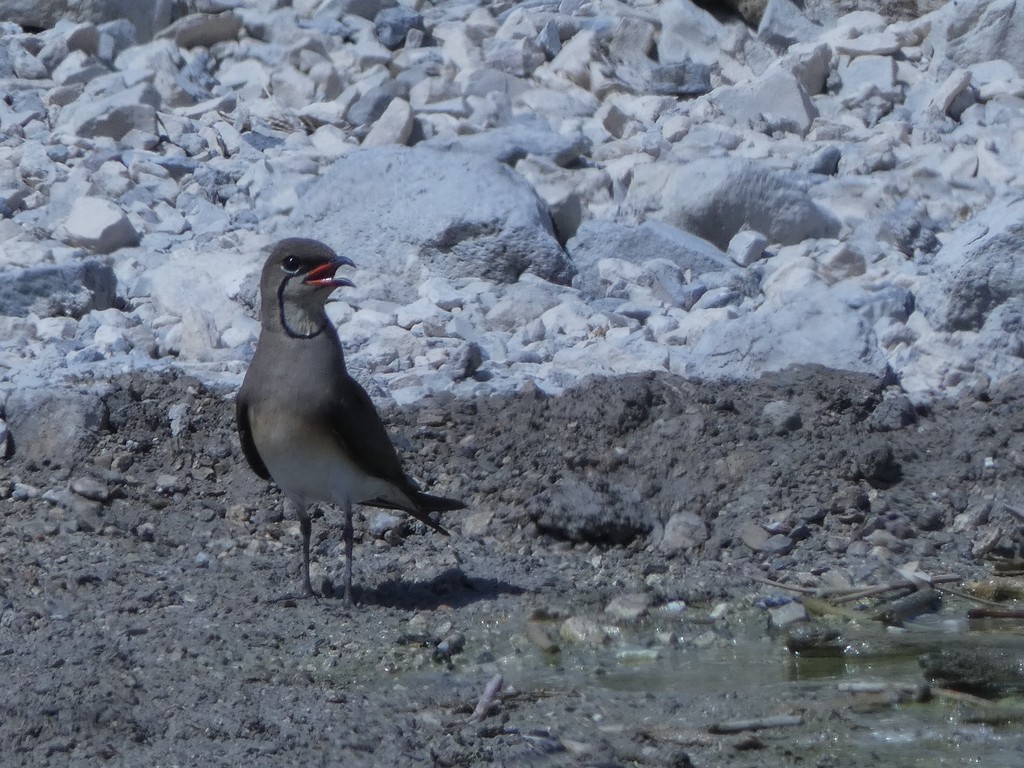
291 264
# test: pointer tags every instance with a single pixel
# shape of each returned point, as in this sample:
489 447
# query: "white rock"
775 337
573 60
51 328
441 293
519 57
873 44
949 90
99 225
112 111
688 32
77 67
522 302
394 126
28 67
863 73
810 64
420 311
111 340
776 101
746 247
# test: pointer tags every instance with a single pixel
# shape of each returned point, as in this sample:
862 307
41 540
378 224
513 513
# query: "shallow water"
760 679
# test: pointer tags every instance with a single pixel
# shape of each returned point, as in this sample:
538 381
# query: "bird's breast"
307 462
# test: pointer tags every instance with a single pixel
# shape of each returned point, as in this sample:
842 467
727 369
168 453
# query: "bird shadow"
451 587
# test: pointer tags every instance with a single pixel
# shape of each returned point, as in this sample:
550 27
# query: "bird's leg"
306 528
348 553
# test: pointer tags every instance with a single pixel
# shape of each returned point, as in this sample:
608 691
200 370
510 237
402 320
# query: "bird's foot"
330 591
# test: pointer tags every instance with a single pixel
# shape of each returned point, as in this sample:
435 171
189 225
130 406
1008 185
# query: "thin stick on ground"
486 699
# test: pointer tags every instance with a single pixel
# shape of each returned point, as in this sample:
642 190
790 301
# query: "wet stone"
629 607
787 615
582 630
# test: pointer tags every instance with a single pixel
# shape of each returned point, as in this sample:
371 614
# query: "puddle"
760 678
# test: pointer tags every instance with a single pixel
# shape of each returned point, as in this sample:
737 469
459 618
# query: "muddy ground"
145 572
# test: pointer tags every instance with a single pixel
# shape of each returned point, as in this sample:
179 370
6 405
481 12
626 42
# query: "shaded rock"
980 30
55 427
600 239
878 464
783 23
463 214
892 413
573 510
717 198
980 267
146 17
680 78
371 105
203 29
511 143
69 289
392 25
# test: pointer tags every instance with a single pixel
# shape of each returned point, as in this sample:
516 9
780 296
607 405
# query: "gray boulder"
511 143
718 197
974 31
66 290
148 17
814 329
783 23
464 215
599 239
977 270
54 426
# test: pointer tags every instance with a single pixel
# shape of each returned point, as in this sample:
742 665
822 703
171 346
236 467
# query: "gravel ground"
145 575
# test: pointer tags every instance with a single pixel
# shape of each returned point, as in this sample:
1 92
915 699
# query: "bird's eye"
291 264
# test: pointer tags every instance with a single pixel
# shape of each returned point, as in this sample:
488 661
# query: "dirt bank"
140 571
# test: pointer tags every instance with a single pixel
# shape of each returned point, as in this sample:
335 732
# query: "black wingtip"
430 503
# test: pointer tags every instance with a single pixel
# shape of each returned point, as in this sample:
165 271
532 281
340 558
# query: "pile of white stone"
559 189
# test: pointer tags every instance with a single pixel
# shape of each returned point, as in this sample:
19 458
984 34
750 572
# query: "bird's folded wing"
245 437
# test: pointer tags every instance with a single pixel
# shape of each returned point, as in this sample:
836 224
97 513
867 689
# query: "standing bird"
303 421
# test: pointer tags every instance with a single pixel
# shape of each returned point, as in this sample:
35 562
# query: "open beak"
324 277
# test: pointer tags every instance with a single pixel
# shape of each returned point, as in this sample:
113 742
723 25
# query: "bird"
303 421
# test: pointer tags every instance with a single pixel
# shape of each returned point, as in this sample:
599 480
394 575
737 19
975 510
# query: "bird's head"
297 278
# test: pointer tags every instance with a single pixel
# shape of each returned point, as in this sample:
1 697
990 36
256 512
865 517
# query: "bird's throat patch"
298 320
